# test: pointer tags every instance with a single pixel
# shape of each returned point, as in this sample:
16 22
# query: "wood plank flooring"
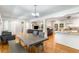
4 48
50 46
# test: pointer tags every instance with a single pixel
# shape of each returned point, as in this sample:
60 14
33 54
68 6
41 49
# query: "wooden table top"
31 39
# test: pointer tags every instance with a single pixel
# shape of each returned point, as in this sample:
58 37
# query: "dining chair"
35 32
41 34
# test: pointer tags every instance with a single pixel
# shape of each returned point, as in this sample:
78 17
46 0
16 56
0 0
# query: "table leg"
40 48
30 49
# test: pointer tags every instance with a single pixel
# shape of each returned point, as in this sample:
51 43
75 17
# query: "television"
36 27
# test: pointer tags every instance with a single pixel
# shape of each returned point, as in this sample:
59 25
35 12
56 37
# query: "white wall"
27 25
75 23
1 28
14 26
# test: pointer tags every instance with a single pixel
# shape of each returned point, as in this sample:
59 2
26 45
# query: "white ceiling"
24 11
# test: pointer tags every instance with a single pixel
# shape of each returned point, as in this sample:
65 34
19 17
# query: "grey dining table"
32 40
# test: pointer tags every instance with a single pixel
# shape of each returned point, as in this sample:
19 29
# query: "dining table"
31 40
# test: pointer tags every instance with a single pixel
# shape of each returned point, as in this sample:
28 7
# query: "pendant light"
35 13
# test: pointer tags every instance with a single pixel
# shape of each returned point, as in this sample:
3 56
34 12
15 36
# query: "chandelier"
35 13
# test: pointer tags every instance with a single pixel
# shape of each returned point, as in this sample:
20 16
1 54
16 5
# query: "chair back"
41 34
35 32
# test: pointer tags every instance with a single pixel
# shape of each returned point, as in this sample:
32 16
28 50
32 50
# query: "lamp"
35 13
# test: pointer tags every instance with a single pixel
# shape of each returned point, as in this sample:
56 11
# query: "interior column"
45 28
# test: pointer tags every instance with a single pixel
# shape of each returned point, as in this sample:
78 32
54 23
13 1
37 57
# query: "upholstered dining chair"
41 34
35 32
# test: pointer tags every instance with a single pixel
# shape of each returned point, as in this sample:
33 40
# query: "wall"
1 27
14 26
75 23
17 27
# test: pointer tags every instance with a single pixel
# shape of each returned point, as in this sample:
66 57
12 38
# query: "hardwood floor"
65 49
4 48
50 46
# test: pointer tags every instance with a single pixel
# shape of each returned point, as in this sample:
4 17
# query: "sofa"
6 36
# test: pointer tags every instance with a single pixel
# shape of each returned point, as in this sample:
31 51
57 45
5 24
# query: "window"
61 25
